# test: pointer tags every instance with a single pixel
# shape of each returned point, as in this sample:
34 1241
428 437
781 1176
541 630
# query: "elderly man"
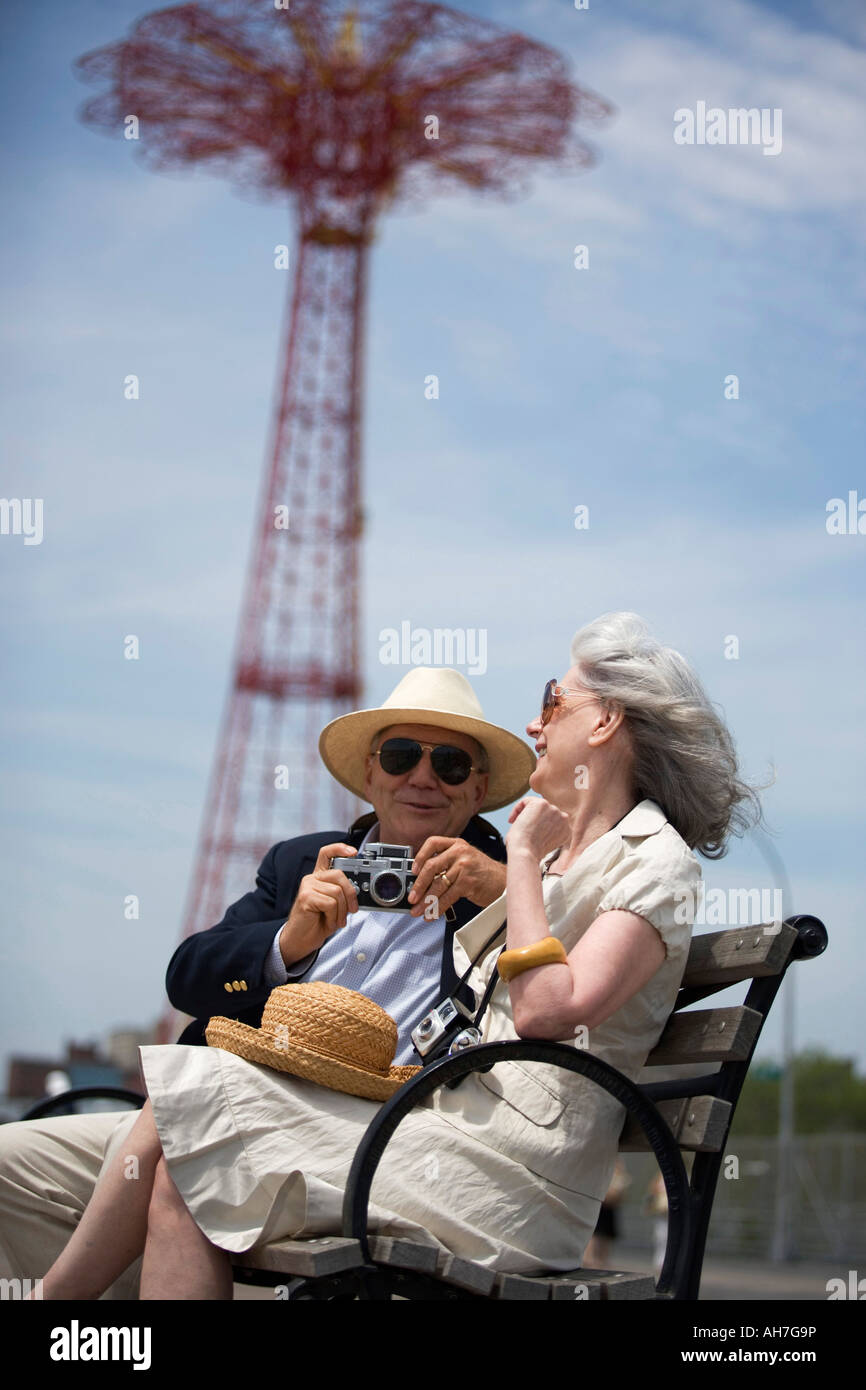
420 761
428 762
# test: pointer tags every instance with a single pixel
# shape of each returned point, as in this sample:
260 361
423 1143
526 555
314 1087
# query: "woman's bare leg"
179 1260
136 1208
113 1226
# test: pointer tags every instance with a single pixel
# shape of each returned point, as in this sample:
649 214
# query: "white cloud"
745 58
816 80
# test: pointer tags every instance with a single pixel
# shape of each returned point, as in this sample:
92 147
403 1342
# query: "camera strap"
481 1009
494 977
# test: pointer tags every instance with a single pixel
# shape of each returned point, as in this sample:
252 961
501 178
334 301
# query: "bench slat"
305 1259
599 1284
724 957
707 1035
517 1286
698 1123
594 1285
628 1286
463 1274
563 1287
404 1254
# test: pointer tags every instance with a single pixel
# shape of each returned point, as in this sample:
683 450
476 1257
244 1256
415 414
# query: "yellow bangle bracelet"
549 951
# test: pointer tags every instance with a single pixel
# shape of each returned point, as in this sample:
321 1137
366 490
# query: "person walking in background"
607 1230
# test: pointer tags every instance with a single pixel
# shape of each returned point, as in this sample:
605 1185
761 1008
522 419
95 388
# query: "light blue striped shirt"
392 957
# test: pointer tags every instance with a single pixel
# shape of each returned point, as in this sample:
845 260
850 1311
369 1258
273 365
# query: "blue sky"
559 387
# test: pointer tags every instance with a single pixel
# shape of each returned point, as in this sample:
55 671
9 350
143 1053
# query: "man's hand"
450 869
325 899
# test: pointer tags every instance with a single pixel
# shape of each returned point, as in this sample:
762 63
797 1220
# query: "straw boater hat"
324 1033
437 696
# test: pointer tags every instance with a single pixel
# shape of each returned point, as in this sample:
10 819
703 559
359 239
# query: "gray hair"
684 756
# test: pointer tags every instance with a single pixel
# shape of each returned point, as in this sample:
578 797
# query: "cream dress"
509 1168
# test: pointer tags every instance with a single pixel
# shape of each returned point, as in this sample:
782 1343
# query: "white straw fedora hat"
444 699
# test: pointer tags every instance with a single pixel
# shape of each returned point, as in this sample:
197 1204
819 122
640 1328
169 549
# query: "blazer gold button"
243 984
235 984
227 986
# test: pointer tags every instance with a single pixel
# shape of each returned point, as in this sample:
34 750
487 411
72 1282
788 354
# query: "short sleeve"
659 880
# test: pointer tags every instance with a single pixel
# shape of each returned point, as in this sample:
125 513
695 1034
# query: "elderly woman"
635 773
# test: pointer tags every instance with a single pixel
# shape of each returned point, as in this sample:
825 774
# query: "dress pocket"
523 1092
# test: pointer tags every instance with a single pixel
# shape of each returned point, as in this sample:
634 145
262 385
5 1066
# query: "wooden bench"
692 1114
672 1117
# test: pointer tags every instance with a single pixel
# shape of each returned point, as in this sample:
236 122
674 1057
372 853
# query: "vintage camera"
436 1032
381 876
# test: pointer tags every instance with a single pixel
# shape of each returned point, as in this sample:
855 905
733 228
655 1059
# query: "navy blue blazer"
237 948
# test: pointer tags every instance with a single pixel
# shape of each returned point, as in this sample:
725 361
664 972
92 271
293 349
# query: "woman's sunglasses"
399 755
552 692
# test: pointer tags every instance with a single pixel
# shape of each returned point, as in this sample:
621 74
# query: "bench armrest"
482 1057
45 1107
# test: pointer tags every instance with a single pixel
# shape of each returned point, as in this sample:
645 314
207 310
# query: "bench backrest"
699 1109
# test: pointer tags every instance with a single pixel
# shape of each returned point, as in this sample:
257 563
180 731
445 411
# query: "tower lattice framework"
343 110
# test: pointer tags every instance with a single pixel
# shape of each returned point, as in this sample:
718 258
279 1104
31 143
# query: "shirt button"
361 956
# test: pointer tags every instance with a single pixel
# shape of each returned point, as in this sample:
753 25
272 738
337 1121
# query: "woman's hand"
537 827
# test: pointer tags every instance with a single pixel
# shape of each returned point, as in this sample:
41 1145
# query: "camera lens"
387 888
468 1037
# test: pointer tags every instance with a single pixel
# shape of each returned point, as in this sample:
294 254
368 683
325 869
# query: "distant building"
85 1064
122 1047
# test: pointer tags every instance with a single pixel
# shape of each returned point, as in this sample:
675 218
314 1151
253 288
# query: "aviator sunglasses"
451 765
552 692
